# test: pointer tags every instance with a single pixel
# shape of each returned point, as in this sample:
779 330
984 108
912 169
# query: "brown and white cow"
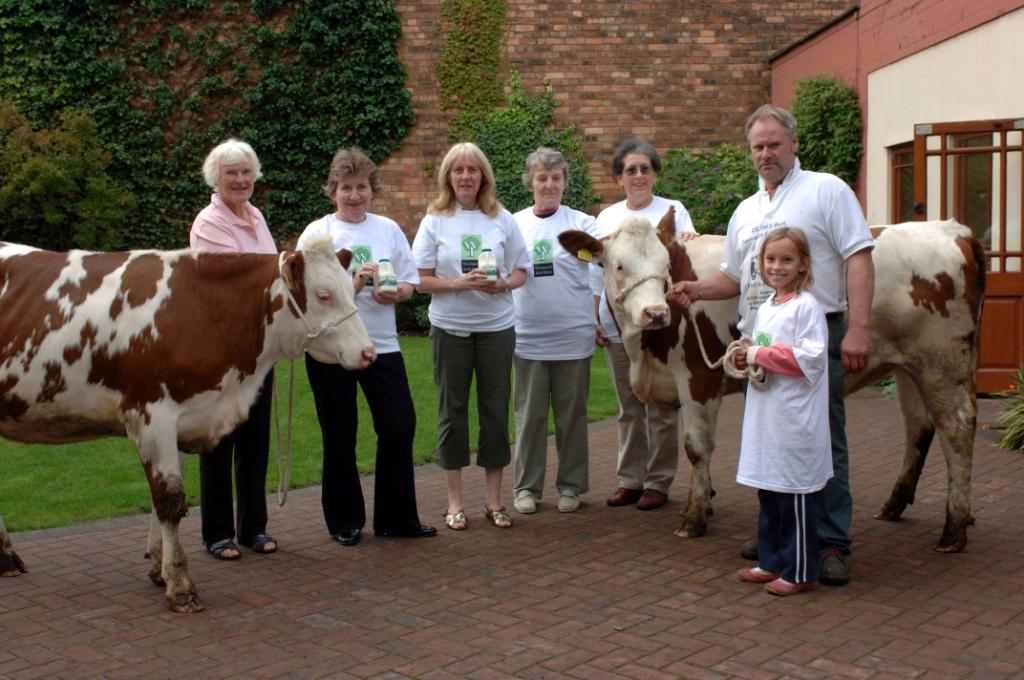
166 348
929 285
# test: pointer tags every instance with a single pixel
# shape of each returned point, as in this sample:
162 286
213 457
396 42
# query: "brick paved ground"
602 593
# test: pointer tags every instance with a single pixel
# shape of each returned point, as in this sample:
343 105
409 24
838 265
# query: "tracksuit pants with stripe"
787 535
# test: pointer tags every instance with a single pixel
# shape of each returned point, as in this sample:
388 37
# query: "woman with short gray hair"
555 333
231 224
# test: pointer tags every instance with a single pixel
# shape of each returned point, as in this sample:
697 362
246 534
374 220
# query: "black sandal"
259 545
220 547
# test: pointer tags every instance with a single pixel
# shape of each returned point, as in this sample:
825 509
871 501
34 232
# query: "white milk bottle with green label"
489 264
387 282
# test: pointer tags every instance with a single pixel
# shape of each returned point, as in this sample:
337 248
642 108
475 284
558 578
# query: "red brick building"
676 73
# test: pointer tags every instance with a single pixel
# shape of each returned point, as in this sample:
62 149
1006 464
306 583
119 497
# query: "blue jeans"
835 509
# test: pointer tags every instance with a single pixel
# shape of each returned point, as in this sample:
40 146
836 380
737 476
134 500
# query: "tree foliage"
709 182
166 80
829 127
54 188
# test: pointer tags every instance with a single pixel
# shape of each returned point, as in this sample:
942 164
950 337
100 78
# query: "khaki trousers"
565 385
648 435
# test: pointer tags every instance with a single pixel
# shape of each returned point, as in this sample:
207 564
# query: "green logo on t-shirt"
472 244
543 258
361 255
763 339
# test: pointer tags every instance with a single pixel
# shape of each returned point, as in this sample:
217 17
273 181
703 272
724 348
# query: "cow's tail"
978 254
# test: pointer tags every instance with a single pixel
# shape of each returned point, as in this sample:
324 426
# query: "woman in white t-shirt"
352 183
648 433
472 320
786 451
555 334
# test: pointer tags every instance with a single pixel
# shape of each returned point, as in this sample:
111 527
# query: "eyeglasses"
634 170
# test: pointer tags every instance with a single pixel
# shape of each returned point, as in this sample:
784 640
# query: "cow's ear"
293 269
580 244
345 258
667 227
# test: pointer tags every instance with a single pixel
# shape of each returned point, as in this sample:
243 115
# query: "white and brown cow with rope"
166 348
929 286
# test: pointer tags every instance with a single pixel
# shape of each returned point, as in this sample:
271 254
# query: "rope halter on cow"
327 327
643 279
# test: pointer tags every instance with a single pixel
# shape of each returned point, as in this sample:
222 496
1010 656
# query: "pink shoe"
756 575
785 588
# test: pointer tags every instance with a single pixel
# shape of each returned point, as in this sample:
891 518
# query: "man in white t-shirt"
844 280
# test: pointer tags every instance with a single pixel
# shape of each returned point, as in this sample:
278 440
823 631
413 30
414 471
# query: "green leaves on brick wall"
467 67
829 127
166 80
709 182
508 134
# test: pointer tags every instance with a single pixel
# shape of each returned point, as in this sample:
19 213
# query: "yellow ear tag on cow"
584 255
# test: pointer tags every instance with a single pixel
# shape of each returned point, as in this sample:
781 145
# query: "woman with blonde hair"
472 318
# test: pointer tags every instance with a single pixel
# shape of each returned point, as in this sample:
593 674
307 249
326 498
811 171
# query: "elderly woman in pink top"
231 224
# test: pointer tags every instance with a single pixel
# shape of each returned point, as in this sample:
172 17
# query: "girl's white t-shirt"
371 240
555 308
786 445
450 244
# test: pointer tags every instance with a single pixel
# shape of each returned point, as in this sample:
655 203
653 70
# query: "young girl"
785 452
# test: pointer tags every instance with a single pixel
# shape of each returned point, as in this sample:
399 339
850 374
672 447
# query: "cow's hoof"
950 547
689 530
186 603
891 511
11 565
157 578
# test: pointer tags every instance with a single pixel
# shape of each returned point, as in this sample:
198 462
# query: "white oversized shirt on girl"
371 240
786 445
451 245
608 220
555 308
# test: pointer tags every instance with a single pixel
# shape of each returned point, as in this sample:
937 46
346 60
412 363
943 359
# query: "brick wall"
678 73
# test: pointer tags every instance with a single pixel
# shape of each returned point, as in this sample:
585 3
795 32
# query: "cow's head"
636 269
322 289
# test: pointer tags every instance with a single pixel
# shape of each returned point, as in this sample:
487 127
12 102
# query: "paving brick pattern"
600 593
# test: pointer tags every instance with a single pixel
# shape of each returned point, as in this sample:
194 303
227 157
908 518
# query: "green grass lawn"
45 486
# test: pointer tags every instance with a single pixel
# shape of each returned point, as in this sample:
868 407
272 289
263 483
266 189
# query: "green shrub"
508 134
709 182
411 315
54 188
1012 418
829 127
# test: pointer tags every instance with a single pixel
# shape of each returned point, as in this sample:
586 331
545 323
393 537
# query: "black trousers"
248 446
386 388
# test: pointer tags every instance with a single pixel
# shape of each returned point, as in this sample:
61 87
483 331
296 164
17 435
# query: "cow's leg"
10 563
699 441
154 550
160 457
955 413
918 432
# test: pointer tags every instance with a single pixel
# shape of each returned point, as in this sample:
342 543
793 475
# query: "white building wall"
977 75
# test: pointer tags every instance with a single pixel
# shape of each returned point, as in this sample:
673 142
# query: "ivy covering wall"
163 81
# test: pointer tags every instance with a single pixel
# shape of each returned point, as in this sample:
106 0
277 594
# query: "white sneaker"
568 502
524 503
